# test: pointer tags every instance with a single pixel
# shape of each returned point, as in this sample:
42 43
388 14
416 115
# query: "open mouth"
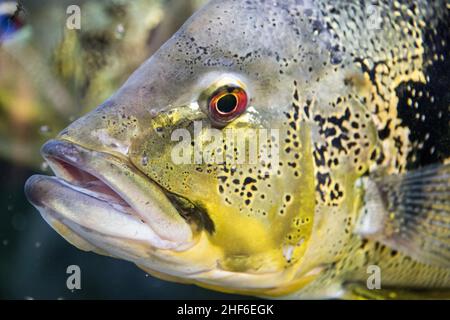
90 183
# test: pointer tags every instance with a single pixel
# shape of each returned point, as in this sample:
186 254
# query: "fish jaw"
102 193
88 208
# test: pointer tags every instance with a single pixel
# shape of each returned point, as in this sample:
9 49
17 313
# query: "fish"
296 149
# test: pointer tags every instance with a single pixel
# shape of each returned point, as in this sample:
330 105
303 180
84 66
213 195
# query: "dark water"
34 258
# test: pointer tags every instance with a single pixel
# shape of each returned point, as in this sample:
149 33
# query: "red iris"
228 103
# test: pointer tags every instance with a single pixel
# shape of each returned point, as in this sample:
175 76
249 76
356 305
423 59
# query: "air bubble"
120 31
44 129
44 166
144 161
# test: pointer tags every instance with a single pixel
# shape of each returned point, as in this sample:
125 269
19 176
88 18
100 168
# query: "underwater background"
49 76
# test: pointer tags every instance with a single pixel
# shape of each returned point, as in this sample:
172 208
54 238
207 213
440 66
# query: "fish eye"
227 103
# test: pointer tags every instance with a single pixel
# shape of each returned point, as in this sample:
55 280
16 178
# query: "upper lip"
107 178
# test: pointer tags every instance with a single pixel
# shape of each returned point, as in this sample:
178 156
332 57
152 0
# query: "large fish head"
199 168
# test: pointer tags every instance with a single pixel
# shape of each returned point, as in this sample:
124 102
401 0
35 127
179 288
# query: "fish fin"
410 213
359 291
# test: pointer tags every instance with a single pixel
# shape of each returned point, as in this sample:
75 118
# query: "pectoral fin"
410 213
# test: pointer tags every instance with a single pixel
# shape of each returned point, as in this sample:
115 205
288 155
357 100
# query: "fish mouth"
101 202
106 194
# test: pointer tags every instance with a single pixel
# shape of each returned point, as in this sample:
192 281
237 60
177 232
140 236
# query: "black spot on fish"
386 132
424 108
249 180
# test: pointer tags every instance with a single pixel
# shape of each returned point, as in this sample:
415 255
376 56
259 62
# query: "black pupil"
227 103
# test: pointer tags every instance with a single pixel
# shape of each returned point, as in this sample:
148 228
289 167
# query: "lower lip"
63 202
